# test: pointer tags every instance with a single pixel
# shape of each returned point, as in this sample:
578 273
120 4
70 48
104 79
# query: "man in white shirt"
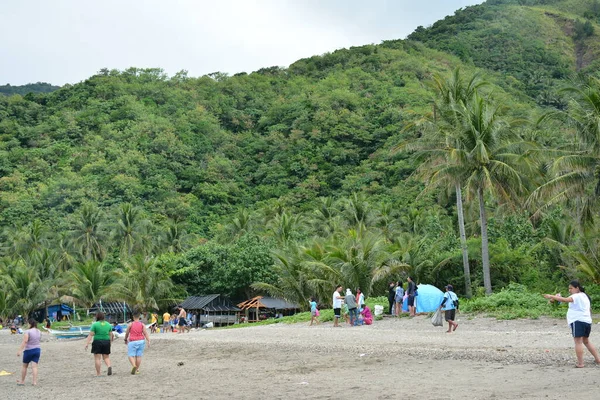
337 305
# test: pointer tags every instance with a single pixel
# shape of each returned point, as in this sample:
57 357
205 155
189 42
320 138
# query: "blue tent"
428 300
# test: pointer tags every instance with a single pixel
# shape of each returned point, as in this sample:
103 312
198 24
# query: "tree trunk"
485 256
463 242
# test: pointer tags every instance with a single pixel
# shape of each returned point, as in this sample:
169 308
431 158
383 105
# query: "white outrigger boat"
79 332
76 332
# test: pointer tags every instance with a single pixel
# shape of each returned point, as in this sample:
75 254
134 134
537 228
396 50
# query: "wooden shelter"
259 308
212 308
114 311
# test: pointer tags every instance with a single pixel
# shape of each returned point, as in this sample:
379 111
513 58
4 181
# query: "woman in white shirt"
579 318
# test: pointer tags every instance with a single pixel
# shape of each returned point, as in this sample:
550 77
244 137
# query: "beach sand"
392 359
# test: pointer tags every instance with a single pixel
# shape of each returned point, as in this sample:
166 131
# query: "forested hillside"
345 167
534 43
39 87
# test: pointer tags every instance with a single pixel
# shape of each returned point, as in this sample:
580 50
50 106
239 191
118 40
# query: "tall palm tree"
488 158
130 232
88 233
89 282
440 130
575 170
143 285
174 239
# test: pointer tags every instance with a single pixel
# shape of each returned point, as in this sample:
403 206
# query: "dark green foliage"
29 89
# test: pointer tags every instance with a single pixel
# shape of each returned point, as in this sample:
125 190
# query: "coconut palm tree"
89 282
574 171
130 232
88 234
439 131
488 158
143 285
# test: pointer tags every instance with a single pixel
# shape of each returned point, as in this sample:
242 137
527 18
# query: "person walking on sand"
31 350
579 318
337 305
182 320
101 333
410 291
314 311
450 306
136 339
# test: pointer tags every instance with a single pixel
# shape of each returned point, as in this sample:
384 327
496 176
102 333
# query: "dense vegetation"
356 167
39 87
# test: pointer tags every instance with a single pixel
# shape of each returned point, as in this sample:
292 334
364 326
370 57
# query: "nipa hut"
259 308
212 308
114 311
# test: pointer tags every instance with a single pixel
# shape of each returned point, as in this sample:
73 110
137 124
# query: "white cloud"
65 41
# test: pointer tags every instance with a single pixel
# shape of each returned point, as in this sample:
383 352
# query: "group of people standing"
352 307
179 319
397 296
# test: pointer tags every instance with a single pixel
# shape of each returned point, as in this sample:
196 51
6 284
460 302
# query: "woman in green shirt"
101 332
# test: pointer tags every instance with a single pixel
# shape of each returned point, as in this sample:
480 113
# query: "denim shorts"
136 348
32 355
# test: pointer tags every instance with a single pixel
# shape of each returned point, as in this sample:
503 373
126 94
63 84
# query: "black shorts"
182 322
581 329
101 347
450 314
337 312
411 301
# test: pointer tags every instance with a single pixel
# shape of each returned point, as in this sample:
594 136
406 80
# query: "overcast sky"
66 41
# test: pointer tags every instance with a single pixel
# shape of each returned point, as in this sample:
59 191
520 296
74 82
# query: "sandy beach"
394 358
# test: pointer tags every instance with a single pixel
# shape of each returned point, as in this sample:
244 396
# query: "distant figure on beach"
48 323
399 295
450 305
579 318
391 296
136 339
166 322
314 311
360 299
101 333
350 301
117 328
337 305
153 322
367 316
182 320
411 291
31 349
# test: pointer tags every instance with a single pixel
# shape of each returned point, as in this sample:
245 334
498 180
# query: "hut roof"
111 307
268 302
210 302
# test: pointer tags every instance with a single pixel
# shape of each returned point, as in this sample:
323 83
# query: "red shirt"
136 332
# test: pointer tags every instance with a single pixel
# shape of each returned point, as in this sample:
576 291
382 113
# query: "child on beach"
314 312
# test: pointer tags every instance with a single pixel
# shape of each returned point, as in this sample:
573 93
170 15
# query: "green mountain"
535 42
301 157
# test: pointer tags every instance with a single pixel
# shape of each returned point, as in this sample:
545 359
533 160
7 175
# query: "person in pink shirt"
136 338
367 316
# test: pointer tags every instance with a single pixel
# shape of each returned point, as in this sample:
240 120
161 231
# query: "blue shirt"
118 329
450 297
313 305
